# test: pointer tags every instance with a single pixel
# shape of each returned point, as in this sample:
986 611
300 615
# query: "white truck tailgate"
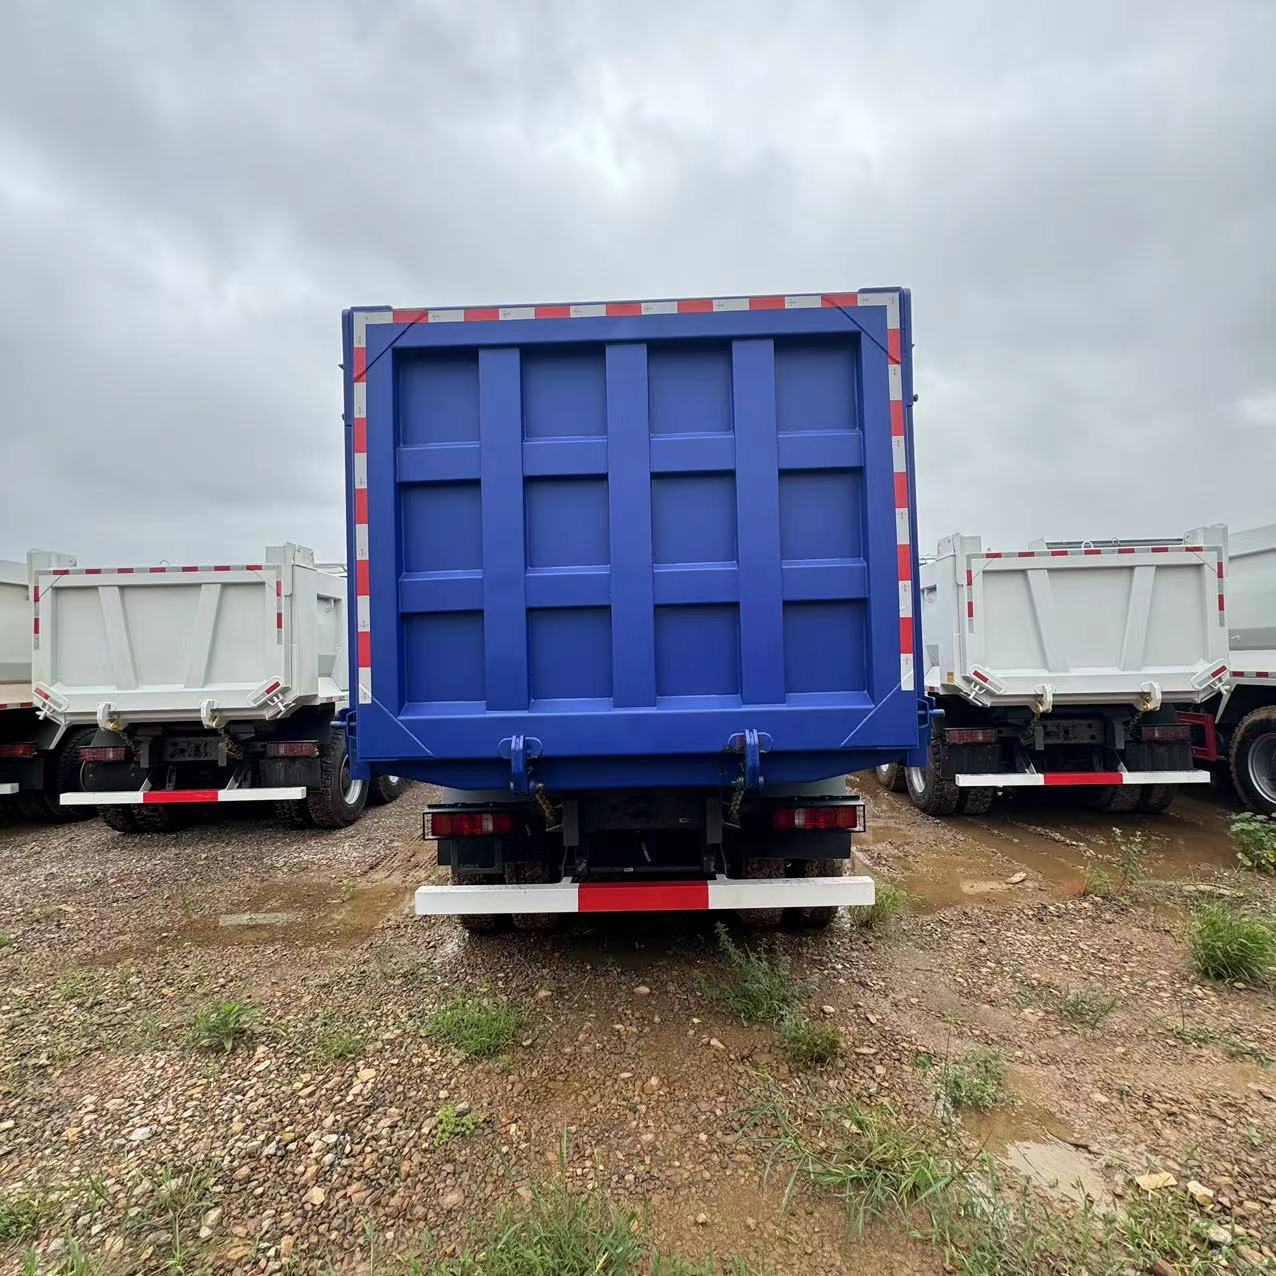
1251 603
1075 623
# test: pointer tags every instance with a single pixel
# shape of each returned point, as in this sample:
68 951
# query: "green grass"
1232 1046
1232 944
337 1040
475 1025
23 1215
81 989
223 1026
454 1125
1086 1008
1254 837
809 1044
558 1234
1164 1225
6 941
72 1261
1098 883
975 1080
888 903
759 987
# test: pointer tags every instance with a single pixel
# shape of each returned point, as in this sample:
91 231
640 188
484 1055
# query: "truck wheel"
61 775
1117 799
815 917
761 918
974 801
1155 798
928 790
479 923
1253 759
340 798
385 788
891 777
119 818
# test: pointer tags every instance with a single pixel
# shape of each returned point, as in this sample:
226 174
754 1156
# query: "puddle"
303 913
1036 1145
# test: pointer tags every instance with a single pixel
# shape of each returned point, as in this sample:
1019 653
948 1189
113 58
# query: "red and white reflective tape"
164 569
1236 673
181 797
1075 779
18 704
644 897
634 309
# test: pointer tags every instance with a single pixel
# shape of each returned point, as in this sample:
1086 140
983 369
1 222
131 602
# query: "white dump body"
1251 604
215 643
1076 622
17 580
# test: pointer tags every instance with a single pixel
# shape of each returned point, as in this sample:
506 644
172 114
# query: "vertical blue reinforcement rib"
634 533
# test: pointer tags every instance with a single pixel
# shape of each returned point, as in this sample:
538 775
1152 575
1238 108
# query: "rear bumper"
644 897
1065 779
181 797
7 790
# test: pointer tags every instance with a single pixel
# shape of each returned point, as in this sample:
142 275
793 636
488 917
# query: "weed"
761 987
337 1040
809 1044
223 1026
81 989
888 903
168 1204
6 941
72 1261
1087 1008
22 1216
1098 883
922 1061
1232 1046
475 1025
1254 837
1232 944
1163 1225
454 1124
973 1081
1130 857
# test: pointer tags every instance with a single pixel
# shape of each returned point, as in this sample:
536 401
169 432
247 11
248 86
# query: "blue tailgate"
617 539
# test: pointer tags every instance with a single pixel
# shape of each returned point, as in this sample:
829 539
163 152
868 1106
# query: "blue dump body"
605 544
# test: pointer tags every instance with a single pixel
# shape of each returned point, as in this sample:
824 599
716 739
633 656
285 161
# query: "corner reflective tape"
888 299
895 376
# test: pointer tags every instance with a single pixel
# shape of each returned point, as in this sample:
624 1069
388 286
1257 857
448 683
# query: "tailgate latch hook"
520 749
753 744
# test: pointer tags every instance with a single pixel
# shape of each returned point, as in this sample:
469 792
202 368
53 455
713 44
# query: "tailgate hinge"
753 744
520 749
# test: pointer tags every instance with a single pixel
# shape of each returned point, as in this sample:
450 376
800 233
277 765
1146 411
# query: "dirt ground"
625 1077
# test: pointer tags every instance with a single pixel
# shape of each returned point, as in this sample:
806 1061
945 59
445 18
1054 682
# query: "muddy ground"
316 1140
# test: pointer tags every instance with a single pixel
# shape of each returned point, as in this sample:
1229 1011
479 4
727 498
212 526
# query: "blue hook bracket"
753 744
520 749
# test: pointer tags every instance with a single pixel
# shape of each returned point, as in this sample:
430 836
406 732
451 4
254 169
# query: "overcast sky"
1081 196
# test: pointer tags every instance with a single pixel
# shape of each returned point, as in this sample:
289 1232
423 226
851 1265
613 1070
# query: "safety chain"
551 813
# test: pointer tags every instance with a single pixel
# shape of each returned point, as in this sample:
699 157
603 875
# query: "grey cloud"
1078 196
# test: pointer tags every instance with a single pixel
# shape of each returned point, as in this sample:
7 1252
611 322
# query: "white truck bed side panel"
1251 598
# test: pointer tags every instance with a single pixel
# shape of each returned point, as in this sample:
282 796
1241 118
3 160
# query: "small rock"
1161 1268
1218 1235
1155 1182
651 1085
642 991
1199 1192
716 1044
828 1010
701 1219
142 1133
453 1200
865 1050
366 1075
1016 878
316 1196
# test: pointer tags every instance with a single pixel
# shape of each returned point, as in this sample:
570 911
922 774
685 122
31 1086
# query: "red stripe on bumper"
1082 777
643 897
175 797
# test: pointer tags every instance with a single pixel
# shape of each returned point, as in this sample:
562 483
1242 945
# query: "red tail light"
17 750
970 735
467 823
103 753
1179 731
292 749
849 816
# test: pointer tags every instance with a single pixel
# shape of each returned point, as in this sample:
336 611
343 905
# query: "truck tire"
1253 759
928 791
386 788
119 818
479 923
974 801
61 775
1155 798
340 798
891 777
815 917
1117 799
761 918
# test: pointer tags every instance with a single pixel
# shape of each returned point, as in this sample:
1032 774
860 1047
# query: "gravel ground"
321 1135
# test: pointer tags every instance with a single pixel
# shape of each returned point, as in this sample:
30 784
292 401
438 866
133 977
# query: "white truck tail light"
466 823
970 735
103 753
292 749
17 750
847 816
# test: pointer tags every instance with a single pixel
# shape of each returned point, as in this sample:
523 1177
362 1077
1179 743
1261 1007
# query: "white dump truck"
1236 730
202 683
39 757
1060 664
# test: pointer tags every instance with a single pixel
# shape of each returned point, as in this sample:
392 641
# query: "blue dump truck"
635 583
